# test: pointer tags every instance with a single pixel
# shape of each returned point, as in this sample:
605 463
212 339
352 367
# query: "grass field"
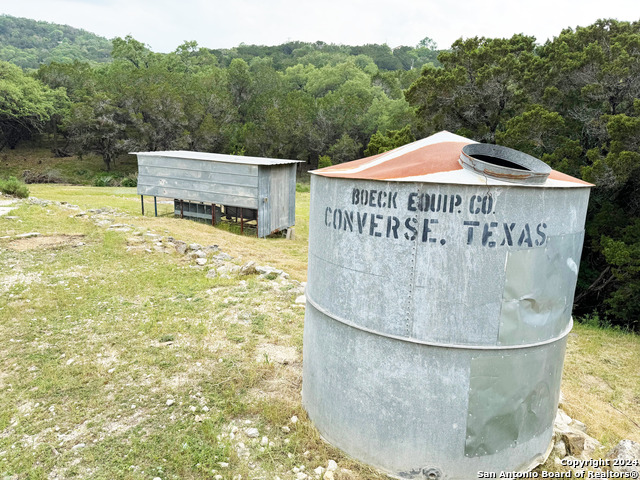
121 359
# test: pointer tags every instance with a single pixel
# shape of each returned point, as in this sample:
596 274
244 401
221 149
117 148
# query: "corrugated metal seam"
201 191
436 344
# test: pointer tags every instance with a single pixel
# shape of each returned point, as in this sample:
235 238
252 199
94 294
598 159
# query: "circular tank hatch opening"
503 163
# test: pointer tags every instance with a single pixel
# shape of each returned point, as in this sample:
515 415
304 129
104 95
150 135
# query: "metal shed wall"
277 194
268 186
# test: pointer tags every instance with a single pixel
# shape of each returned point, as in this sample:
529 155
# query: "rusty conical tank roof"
435 159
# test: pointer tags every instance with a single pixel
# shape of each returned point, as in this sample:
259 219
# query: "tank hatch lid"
438 159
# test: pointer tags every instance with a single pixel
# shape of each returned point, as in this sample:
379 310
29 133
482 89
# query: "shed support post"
257 223
142 204
155 204
241 222
181 209
213 214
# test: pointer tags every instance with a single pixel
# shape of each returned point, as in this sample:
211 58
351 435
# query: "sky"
165 24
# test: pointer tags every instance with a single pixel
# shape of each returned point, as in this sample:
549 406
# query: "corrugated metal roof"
217 157
434 159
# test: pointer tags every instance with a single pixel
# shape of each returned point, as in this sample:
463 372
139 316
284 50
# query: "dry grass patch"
46 241
601 383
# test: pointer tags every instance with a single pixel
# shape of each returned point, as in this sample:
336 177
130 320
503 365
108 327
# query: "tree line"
330 103
572 101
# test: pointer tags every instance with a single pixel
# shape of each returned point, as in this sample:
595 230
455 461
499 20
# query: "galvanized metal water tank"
440 287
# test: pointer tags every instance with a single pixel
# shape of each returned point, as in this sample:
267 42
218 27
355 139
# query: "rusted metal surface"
425 302
443 150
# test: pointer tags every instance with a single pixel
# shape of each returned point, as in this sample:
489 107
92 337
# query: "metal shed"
249 188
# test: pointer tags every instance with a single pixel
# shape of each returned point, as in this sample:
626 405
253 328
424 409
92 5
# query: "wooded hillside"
30 43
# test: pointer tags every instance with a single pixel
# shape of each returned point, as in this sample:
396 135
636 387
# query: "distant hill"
31 43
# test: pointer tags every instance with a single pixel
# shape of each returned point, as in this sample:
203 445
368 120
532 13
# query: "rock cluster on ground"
217 263
572 444
250 442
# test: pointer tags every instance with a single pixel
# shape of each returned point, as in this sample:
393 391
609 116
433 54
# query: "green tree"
25 105
535 131
239 78
211 117
78 81
479 87
99 126
131 50
190 58
345 149
381 143
623 256
590 72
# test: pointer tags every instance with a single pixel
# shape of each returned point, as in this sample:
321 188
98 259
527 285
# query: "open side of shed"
214 186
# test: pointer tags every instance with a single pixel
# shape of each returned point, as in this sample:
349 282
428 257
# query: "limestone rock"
574 442
222 257
248 268
626 450
268 272
578 443
562 419
212 273
579 425
228 269
559 449
181 247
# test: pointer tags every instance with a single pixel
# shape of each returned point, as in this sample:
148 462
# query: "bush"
324 161
103 181
14 187
130 180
